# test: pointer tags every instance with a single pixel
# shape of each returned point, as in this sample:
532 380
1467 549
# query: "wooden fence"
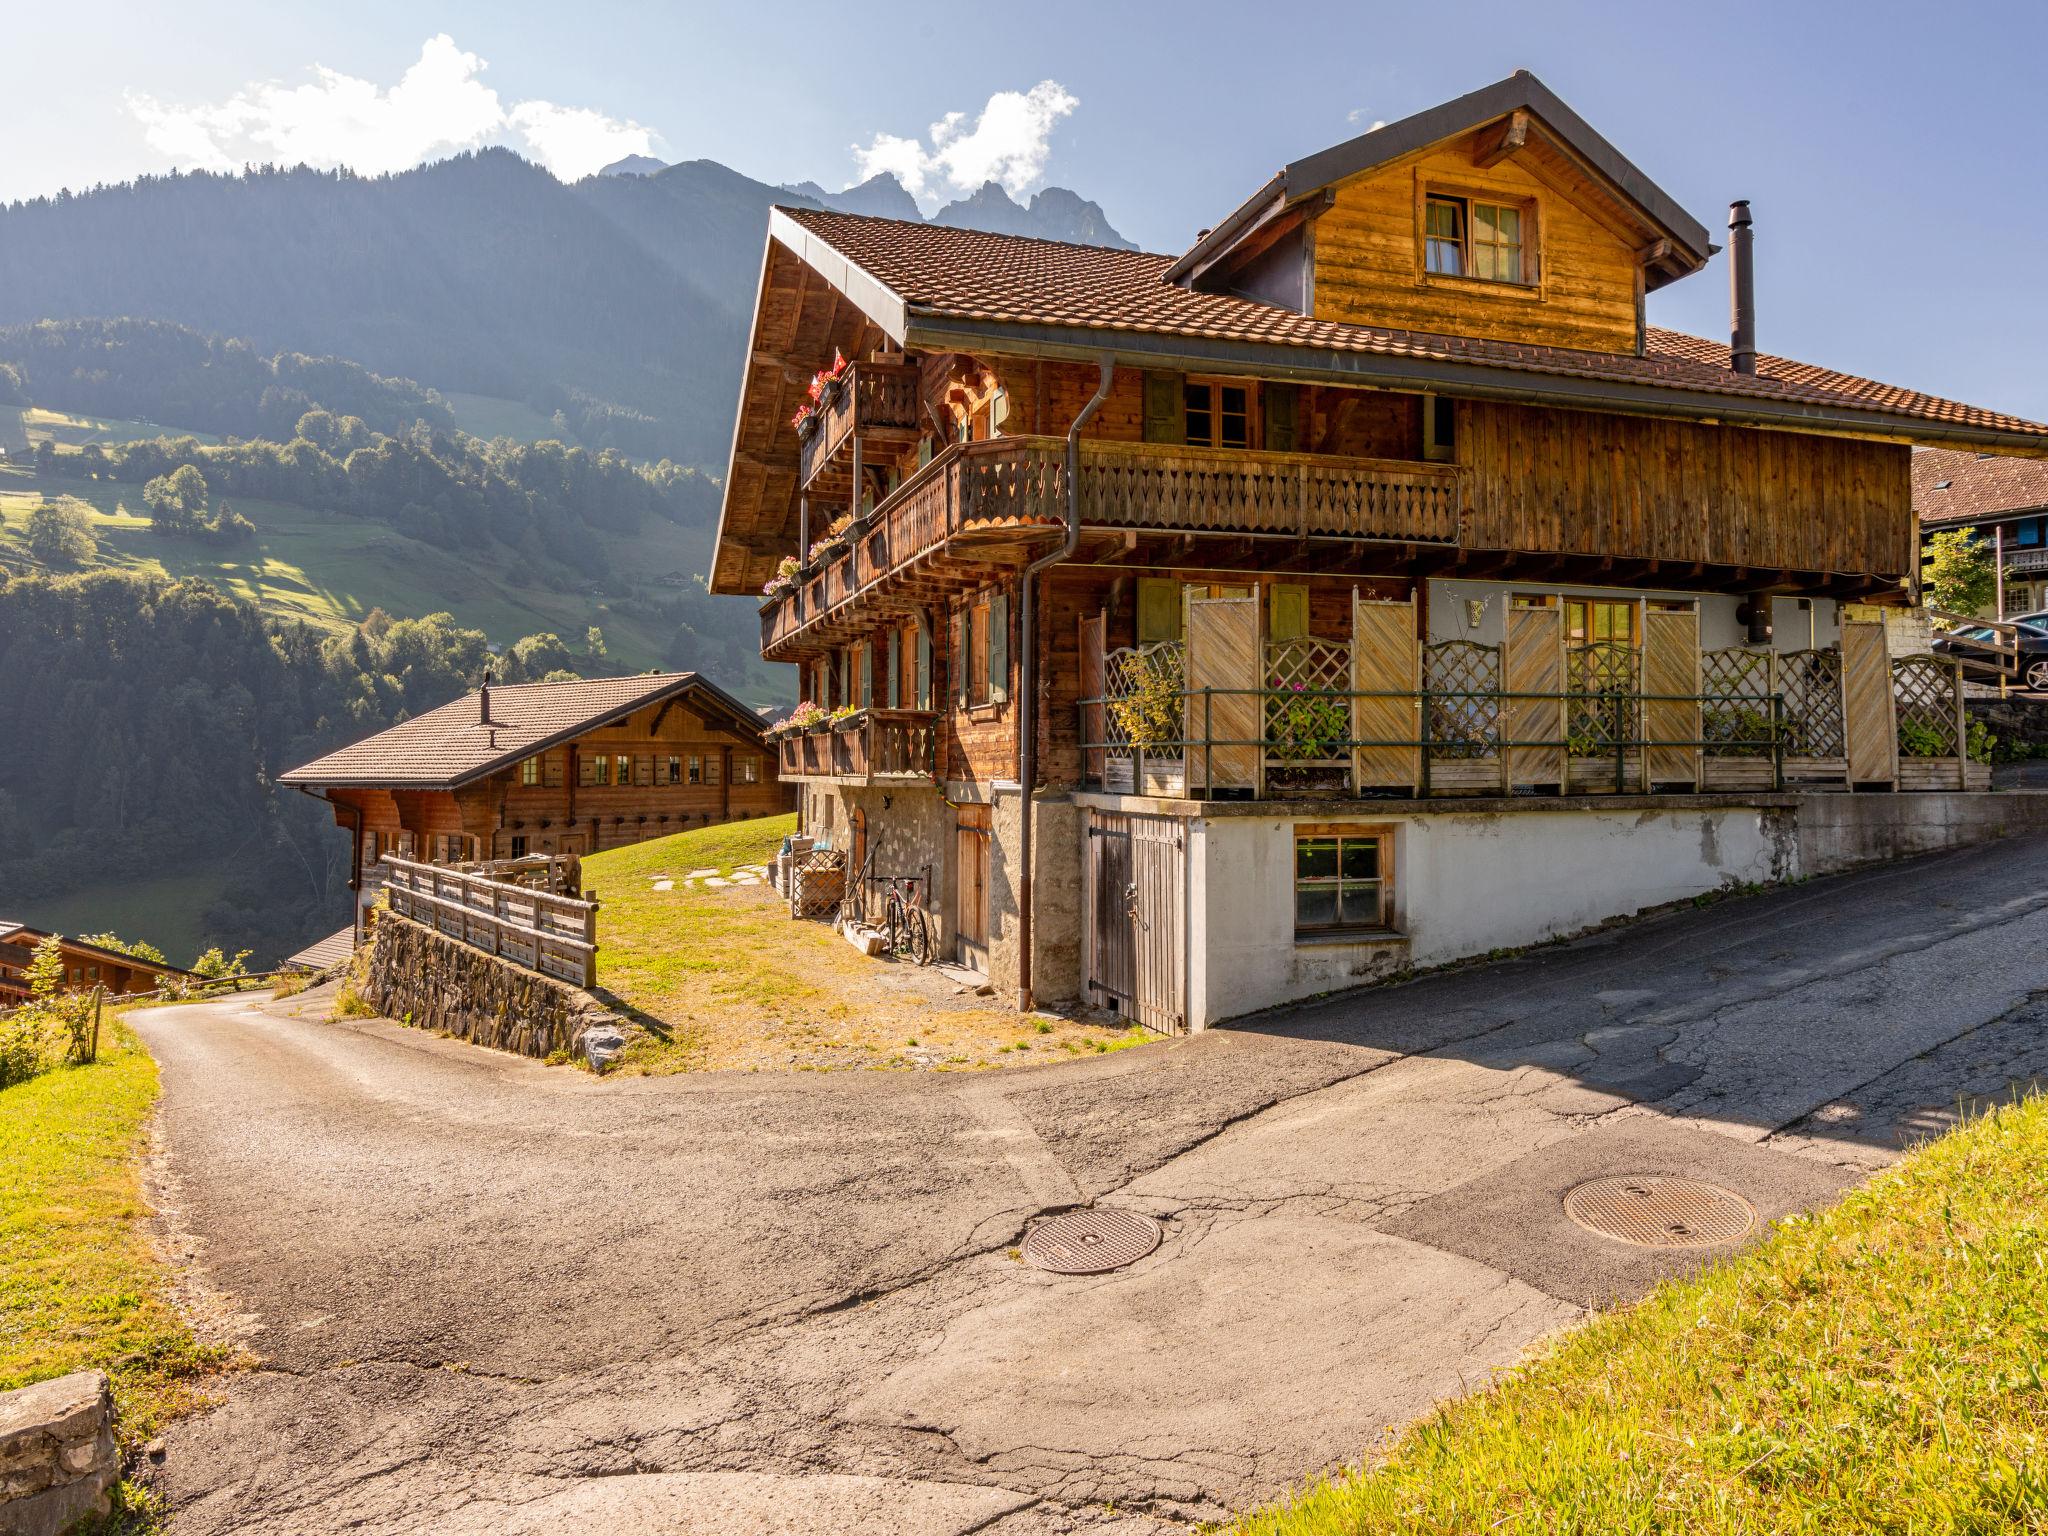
554 935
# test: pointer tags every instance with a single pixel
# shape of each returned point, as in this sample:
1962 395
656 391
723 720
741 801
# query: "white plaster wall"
1465 884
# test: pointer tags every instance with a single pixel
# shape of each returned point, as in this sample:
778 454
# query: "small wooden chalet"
2005 501
1216 629
563 768
85 966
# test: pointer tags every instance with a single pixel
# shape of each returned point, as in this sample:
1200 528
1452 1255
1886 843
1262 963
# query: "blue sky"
1891 152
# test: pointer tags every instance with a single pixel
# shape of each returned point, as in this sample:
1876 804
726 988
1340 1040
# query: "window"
746 770
1464 237
518 846
1587 620
625 770
600 769
977 653
529 771
696 769
1340 885
1439 429
1218 415
675 771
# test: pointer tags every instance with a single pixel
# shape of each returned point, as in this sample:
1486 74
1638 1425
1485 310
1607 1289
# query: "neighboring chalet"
549 768
2005 500
1319 582
85 966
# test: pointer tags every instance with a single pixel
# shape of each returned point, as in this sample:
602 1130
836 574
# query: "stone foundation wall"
57 1455
429 980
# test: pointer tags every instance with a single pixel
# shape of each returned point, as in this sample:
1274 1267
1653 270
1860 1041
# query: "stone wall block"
58 1460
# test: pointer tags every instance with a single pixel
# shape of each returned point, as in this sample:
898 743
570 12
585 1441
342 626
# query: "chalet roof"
449 747
323 953
1952 487
22 936
1011 285
1520 92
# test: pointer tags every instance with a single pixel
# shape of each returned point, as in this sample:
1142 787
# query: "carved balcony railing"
874 746
1006 488
876 401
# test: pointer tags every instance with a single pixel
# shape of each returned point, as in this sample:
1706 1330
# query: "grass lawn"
731 981
491 416
80 1283
74 430
1876 1368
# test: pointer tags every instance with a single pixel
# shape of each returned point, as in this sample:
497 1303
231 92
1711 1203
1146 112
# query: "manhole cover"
1089 1242
1652 1211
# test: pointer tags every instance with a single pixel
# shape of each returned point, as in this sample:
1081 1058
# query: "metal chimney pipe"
483 701
1742 290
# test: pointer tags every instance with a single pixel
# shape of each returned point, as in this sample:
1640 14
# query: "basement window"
1341 885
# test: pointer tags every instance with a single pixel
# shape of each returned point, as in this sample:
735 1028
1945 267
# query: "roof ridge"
969 229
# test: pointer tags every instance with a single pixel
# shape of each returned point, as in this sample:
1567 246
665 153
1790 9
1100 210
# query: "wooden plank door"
1094 684
970 887
1223 653
1869 722
1671 665
1534 663
1158 869
1385 658
1111 959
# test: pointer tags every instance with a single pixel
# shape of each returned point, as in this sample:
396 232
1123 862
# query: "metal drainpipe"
1027 681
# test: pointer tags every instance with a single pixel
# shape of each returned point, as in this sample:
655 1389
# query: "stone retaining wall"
429 980
57 1456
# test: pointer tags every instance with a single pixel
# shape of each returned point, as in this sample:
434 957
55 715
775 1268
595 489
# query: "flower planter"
1595 775
1942 773
1466 776
1323 779
1732 775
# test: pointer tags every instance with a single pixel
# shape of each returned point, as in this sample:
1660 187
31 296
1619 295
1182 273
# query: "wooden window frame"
1530 210
675 769
622 776
1215 384
693 770
979 684
529 772
1382 836
746 769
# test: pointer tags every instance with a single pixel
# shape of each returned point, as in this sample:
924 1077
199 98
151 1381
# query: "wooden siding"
1368 259
1579 482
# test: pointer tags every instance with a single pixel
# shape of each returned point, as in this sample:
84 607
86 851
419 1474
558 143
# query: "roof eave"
1468 380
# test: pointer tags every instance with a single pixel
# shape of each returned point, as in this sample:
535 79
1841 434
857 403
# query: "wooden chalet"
85 966
563 768
1382 501
2005 502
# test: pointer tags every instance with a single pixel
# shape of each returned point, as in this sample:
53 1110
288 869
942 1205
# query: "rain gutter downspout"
1027 679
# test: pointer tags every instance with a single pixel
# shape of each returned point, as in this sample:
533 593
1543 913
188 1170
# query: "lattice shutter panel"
1223 655
1671 665
1093 686
1534 664
1811 682
1870 726
1384 659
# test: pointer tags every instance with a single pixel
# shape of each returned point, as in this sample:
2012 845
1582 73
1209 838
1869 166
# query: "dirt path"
485 1289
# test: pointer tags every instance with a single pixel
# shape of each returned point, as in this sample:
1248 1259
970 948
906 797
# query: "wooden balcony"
876 746
979 508
876 402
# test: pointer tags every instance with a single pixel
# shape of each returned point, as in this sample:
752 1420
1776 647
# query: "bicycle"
906 927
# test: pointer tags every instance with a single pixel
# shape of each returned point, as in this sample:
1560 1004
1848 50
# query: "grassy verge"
728 980
1876 1368
81 1285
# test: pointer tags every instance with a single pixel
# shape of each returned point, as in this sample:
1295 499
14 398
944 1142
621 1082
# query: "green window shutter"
1282 401
1166 417
867 676
895 670
956 661
999 646
924 452
1158 610
1289 612
924 668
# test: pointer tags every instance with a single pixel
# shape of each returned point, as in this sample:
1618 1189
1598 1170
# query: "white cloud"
1008 144
439 106
1357 115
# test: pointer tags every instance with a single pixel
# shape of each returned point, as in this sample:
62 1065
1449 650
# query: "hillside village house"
2006 501
1367 586
85 966
548 768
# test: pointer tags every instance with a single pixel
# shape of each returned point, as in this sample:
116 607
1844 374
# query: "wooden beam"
1498 143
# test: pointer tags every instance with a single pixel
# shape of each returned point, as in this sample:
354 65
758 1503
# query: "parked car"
2029 668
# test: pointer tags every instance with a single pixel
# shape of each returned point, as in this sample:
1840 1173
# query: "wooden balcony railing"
875 399
1021 482
878 744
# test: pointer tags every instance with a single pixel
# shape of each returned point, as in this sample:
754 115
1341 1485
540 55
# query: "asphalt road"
495 1297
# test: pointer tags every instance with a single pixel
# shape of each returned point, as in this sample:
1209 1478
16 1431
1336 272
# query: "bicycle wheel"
918 935
894 929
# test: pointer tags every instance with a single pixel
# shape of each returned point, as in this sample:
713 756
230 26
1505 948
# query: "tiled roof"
448 747
972 275
1953 487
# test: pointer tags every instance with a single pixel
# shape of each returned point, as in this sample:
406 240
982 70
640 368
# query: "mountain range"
620 301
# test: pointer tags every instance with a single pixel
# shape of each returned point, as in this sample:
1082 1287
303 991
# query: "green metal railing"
1744 712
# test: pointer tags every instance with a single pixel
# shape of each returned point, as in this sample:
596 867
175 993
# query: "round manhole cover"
1089 1242
1654 1211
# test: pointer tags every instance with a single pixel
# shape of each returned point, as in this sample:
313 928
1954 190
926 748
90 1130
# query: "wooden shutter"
895 673
1385 659
998 646
924 668
1159 608
867 675
1289 620
1870 724
1281 402
1534 663
1166 418
957 662
1671 665
1223 650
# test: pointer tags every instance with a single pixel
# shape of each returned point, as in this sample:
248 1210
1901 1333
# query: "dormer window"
1467 237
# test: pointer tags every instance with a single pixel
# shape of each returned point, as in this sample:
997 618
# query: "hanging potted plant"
827 382
805 421
805 717
846 716
784 579
835 539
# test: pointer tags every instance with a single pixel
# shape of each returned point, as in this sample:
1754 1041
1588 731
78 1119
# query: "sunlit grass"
1876 1368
